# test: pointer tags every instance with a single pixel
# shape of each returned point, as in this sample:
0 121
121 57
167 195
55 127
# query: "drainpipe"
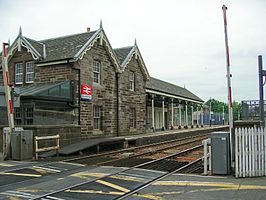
79 82
117 75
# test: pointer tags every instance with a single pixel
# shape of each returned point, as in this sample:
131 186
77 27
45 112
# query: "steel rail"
150 152
130 193
131 149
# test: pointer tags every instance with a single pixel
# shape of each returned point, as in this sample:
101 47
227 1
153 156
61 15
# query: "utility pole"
262 73
230 109
210 112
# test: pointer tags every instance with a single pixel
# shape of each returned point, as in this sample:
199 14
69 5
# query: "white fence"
250 148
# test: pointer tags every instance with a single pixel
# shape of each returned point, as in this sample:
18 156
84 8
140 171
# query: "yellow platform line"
210 184
20 174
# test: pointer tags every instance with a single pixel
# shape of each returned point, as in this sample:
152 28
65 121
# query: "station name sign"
86 92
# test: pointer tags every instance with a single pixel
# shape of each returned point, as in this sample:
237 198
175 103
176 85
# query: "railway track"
163 162
126 155
164 156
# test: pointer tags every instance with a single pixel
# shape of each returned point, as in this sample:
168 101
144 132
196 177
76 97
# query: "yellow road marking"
6 165
75 164
18 174
111 185
147 196
126 178
86 175
28 190
14 198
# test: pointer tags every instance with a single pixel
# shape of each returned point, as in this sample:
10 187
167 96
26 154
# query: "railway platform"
30 180
96 144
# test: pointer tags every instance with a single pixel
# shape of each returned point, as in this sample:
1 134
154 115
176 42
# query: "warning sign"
86 92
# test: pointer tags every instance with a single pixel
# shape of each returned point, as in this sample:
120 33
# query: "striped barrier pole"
7 89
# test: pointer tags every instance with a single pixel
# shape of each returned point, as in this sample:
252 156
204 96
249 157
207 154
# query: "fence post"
264 151
249 152
236 153
246 152
205 148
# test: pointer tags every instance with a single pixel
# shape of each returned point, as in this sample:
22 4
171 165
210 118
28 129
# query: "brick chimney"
88 29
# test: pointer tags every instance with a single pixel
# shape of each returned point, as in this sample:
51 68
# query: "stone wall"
132 99
104 94
69 134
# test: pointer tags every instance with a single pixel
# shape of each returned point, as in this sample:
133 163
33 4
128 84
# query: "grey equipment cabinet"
22 144
220 153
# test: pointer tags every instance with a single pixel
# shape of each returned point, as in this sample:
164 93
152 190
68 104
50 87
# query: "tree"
217 107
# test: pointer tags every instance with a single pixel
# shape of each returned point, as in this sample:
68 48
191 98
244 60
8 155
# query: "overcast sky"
181 41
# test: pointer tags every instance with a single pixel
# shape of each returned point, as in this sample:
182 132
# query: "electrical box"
220 153
22 144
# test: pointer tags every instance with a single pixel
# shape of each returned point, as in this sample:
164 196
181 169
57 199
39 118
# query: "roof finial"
9 42
135 42
101 24
20 30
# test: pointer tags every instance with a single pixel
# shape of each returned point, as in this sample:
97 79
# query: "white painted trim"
172 96
51 63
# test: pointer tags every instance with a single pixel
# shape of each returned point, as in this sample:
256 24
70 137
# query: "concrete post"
163 127
172 123
180 116
152 110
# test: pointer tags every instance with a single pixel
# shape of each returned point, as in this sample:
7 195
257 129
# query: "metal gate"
250 156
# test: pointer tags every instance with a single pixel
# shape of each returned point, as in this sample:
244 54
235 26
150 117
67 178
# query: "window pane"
54 91
96 69
131 81
18 73
29 72
28 115
132 117
65 89
96 117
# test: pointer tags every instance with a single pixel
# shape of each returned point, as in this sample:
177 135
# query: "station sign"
86 92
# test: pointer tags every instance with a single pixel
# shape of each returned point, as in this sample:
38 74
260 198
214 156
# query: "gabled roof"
65 47
71 47
122 53
125 54
169 88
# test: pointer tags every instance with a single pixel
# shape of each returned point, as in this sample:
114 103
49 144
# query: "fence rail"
37 149
250 156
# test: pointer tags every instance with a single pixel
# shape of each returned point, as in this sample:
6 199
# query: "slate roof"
122 53
65 47
169 88
36 45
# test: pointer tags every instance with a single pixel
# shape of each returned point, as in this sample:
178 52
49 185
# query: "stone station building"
125 99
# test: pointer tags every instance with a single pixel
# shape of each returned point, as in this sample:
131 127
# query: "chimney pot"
88 29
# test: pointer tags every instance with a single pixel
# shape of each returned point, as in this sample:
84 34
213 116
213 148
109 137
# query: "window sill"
97 132
97 86
132 129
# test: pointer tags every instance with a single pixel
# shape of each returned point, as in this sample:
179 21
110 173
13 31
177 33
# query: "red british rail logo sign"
86 92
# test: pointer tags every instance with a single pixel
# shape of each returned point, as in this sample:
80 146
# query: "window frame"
96 64
20 74
29 72
28 114
131 81
97 118
132 117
